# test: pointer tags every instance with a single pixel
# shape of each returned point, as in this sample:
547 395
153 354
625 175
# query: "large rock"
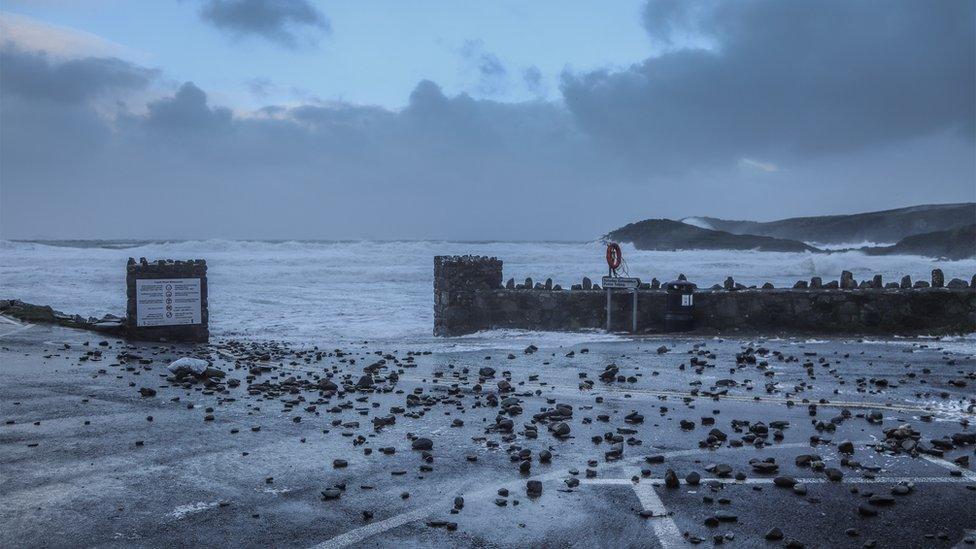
187 365
847 281
957 284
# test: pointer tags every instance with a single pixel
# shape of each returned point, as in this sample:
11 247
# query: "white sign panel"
167 301
687 300
620 282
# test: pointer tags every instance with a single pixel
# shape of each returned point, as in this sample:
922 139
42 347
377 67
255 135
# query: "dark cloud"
289 23
532 77
32 74
187 110
864 109
785 80
185 167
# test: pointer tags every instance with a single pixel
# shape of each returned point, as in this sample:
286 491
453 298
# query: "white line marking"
667 530
664 527
364 532
766 480
192 508
613 481
950 466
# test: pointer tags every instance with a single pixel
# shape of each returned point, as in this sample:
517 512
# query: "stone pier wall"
461 284
469 296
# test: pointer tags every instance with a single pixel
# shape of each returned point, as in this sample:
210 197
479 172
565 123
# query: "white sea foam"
848 245
340 292
182 511
697 222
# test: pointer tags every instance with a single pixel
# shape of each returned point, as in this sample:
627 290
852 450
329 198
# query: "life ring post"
614 257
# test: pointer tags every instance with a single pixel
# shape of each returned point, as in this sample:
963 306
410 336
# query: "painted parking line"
767 480
951 466
357 535
665 529
362 533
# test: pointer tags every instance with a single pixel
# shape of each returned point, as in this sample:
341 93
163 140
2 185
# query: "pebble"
331 493
784 482
866 511
671 479
834 474
423 444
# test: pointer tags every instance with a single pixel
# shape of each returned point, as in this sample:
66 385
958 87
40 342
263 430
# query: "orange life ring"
614 255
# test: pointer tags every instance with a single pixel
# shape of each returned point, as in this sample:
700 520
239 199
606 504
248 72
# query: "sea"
331 293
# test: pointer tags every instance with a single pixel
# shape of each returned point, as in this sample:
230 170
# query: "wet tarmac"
101 445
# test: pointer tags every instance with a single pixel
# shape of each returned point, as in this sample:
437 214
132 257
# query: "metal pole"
608 309
634 323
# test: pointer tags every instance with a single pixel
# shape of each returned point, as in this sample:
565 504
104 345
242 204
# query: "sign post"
611 283
167 300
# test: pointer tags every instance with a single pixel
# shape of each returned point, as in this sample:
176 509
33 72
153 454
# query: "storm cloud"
286 22
33 75
785 81
787 109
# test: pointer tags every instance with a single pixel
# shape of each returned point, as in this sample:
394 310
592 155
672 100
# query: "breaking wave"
347 291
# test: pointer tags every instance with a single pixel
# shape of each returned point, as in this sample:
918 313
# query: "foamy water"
343 292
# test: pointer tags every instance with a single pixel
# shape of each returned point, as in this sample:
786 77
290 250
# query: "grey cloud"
289 23
260 87
669 21
32 74
492 74
490 67
188 168
454 166
786 81
532 77
187 110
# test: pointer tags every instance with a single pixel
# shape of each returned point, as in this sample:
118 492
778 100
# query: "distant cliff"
959 243
666 234
881 226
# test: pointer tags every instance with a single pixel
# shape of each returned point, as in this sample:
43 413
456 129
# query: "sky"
301 119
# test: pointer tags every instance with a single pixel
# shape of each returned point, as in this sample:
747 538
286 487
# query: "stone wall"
460 286
464 305
165 269
45 314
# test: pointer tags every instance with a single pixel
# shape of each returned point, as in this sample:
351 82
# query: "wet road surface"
249 457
